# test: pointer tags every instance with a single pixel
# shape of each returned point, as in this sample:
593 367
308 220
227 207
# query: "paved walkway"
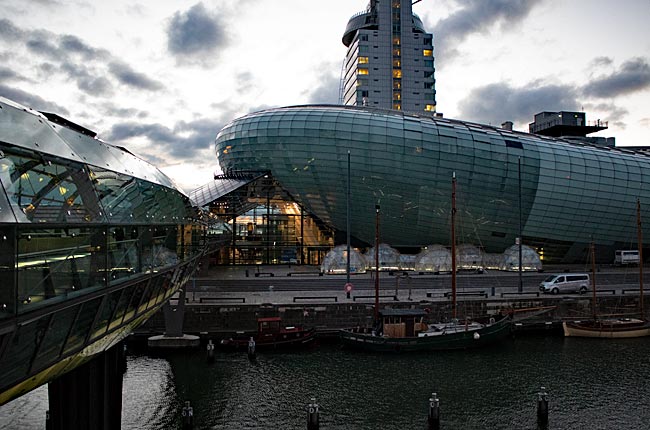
240 285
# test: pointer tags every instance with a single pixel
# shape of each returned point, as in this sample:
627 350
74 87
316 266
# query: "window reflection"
55 263
45 189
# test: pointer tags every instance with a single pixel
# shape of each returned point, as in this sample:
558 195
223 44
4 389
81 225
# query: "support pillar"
174 337
90 396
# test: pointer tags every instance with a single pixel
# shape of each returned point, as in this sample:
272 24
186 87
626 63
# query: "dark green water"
592 384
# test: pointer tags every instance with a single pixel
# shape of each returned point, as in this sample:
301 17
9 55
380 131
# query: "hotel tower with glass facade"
389 63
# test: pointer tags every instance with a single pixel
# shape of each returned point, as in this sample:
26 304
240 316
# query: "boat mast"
640 238
377 264
347 264
593 279
453 246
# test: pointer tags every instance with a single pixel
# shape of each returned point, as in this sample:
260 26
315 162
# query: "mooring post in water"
542 407
188 416
210 349
251 348
433 421
313 420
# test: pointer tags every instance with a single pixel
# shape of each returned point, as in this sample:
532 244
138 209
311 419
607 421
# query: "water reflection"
592 384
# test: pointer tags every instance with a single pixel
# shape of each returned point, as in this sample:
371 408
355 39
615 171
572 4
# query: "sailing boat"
403 330
613 327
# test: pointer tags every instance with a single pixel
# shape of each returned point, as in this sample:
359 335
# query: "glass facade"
570 193
92 240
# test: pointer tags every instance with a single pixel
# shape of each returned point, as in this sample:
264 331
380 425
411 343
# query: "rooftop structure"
559 124
389 63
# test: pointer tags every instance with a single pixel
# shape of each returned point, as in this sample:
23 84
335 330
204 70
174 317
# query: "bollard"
48 421
494 291
313 420
542 407
247 273
433 421
188 416
251 349
210 348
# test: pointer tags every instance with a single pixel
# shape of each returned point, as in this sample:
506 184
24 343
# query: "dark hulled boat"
404 330
271 334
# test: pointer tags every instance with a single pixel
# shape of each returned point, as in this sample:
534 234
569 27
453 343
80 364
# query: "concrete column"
90 396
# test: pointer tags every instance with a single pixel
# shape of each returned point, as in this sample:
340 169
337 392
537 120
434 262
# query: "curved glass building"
565 193
92 241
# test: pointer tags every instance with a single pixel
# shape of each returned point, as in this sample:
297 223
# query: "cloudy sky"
162 77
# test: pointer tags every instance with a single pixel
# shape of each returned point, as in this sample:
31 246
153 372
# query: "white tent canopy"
435 258
336 261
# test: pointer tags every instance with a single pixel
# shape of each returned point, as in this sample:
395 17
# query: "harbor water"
592 384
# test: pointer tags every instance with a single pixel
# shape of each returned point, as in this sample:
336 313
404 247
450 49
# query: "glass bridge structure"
93 240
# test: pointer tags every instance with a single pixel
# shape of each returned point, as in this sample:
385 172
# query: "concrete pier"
223 300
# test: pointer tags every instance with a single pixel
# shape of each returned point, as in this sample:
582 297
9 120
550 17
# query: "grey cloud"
614 114
110 109
127 76
476 16
7 74
38 43
31 100
79 61
480 15
74 44
244 81
633 76
196 35
495 103
88 81
196 136
9 32
327 90
601 61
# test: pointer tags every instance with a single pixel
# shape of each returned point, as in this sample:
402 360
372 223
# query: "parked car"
565 283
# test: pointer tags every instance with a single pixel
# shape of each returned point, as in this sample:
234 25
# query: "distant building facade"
389 63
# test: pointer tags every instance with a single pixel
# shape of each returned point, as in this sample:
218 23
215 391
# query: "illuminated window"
361 82
397 84
396 41
427 52
397 63
430 108
397 73
362 71
363 60
397 52
397 96
397 106
397 3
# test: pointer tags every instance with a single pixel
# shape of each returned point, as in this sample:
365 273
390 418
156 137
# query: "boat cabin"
269 325
398 323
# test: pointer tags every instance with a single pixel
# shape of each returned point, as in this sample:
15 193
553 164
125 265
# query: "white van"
622 257
565 283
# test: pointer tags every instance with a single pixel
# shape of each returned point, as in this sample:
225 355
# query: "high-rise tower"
389 63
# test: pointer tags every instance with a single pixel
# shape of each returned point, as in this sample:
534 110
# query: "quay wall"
216 320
